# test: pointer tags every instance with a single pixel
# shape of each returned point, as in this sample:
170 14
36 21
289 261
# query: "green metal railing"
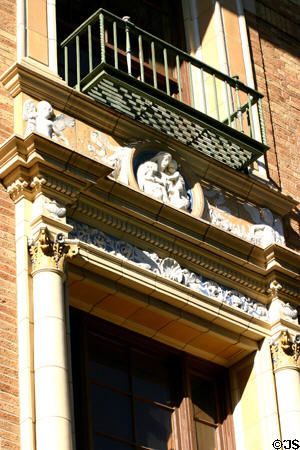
107 40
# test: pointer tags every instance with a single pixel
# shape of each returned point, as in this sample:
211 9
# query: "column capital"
47 254
285 351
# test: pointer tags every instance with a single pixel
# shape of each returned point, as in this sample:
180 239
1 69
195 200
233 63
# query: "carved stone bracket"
274 289
48 254
17 188
285 351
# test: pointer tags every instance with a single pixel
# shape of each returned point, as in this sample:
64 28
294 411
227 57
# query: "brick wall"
275 53
9 414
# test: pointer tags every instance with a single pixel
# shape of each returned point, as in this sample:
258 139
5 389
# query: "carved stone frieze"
168 268
116 222
258 226
48 254
43 120
96 147
116 156
285 351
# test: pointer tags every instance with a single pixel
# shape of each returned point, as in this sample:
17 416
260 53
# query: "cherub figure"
44 120
176 187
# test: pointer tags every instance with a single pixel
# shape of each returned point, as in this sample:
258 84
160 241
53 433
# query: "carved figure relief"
264 229
168 268
96 148
113 155
160 178
43 120
55 209
289 311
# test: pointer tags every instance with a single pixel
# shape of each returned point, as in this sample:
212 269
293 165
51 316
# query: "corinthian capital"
48 254
285 351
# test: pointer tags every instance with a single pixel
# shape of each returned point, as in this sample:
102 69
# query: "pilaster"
52 395
285 351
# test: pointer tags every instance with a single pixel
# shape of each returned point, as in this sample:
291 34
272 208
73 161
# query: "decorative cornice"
62 174
47 254
18 188
168 268
285 352
172 247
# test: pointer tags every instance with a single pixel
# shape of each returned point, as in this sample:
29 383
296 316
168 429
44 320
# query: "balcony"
128 69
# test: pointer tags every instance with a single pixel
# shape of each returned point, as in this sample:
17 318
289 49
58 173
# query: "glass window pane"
102 443
111 412
153 426
150 378
203 398
108 364
206 437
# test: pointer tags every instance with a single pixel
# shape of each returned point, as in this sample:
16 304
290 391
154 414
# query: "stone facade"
192 254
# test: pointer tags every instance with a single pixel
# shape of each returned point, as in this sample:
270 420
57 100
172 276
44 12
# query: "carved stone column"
53 414
285 355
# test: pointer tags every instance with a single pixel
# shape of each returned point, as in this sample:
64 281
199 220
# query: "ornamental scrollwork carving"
285 351
48 254
168 268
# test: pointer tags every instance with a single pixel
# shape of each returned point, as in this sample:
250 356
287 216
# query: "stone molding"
47 254
173 248
18 188
168 268
43 166
285 351
244 280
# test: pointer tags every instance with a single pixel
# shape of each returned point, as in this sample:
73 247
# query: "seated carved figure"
160 178
267 231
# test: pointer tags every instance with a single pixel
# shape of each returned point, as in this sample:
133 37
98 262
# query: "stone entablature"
159 175
167 268
73 183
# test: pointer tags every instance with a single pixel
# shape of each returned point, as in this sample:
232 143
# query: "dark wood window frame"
182 367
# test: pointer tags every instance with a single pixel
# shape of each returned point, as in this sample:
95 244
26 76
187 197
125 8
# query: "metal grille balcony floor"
152 107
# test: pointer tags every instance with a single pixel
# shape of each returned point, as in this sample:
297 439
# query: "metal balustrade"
107 41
